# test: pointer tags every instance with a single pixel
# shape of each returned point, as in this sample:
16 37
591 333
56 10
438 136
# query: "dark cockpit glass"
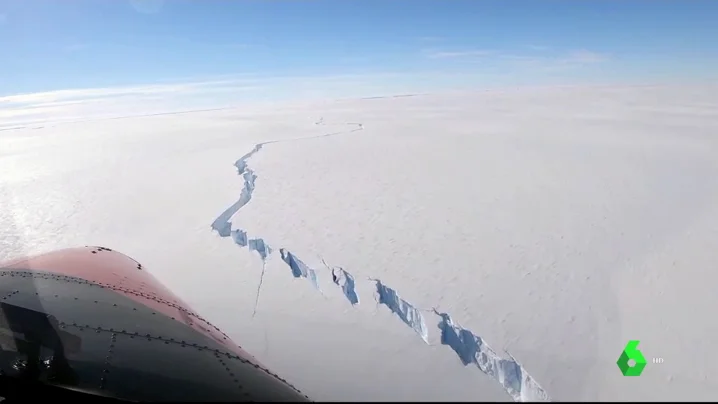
65 337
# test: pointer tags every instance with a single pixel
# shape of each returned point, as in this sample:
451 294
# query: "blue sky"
50 45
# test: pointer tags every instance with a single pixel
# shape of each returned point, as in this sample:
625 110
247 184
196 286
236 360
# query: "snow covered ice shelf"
554 223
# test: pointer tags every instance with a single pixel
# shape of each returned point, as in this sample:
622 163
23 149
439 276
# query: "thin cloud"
231 46
147 6
539 57
430 39
456 54
232 90
97 103
76 47
585 57
538 48
108 92
570 60
354 59
68 105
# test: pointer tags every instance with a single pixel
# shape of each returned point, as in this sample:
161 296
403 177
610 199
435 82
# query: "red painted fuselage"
93 321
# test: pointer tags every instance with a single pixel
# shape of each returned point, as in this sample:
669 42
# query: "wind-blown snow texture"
470 348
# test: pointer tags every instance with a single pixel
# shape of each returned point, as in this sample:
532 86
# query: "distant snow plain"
554 223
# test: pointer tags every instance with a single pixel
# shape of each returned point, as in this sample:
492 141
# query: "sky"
221 51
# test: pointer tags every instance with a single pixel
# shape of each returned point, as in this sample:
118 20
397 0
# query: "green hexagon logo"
631 352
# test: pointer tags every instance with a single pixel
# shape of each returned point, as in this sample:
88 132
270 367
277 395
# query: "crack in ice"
346 282
223 223
299 268
470 348
409 314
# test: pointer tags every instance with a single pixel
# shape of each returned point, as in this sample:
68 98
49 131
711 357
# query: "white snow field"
553 223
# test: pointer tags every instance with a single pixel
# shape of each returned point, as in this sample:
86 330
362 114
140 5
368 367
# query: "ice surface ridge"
470 348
